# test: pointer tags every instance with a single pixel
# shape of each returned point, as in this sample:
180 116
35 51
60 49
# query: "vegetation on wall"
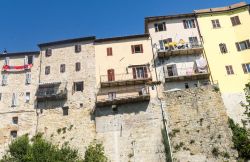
241 134
165 142
39 150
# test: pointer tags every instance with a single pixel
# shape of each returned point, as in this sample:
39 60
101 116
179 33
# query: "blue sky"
25 23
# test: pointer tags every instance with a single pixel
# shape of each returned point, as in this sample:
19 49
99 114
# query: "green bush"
39 150
240 139
95 153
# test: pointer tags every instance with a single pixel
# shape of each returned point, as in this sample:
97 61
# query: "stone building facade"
19 82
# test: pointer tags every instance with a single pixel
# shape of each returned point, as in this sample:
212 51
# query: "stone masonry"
198 126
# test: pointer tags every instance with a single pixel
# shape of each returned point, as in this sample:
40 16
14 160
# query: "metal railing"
174 46
178 72
124 77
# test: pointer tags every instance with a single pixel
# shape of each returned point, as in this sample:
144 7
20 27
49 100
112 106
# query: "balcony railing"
124 79
184 74
48 92
179 49
122 98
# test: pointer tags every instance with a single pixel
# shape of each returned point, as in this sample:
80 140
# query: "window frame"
246 44
133 48
246 68
78 48
79 85
163 27
78 66
223 48
216 23
62 68
47 70
189 24
235 20
229 69
48 52
109 51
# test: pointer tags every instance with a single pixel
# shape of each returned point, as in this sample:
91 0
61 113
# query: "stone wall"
198 126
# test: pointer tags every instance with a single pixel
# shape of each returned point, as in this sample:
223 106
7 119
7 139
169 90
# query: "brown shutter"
109 52
184 24
248 43
145 72
237 46
141 48
133 49
237 20
233 21
134 73
244 68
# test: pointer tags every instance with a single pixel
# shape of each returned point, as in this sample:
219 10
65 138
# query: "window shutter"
193 22
145 72
7 60
233 21
244 68
248 43
141 48
28 78
14 100
133 49
231 68
213 23
109 52
48 52
238 46
218 23
25 60
4 79
164 26
134 73
184 24
156 27
237 20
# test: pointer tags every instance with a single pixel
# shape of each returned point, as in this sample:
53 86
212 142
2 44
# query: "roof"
122 38
159 18
222 9
67 41
20 54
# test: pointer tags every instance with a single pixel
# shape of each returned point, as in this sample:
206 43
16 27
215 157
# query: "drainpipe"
202 41
162 110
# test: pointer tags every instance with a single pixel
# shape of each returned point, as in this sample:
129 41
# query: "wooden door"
111 75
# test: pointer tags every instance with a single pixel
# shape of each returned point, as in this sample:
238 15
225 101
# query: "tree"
39 150
95 153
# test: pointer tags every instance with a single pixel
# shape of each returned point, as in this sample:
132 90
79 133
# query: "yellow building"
225 32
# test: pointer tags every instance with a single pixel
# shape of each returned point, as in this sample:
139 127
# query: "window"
160 27
62 68
216 23
30 60
188 24
78 66
4 79
78 48
111 75
229 69
27 97
28 78
15 120
47 70
243 45
137 48
109 51
171 70
140 72
48 52
112 95
6 61
246 68
164 42
13 134
0 96
186 86
78 86
235 20
223 48
193 42
14 100
65 111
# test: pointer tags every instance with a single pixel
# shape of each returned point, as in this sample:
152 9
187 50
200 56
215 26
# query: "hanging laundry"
201 65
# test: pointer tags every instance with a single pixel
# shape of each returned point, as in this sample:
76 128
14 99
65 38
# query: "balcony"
180 49
126 79
185 74
119 98
51 92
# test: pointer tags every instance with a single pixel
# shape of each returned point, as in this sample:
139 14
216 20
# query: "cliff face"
198 126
